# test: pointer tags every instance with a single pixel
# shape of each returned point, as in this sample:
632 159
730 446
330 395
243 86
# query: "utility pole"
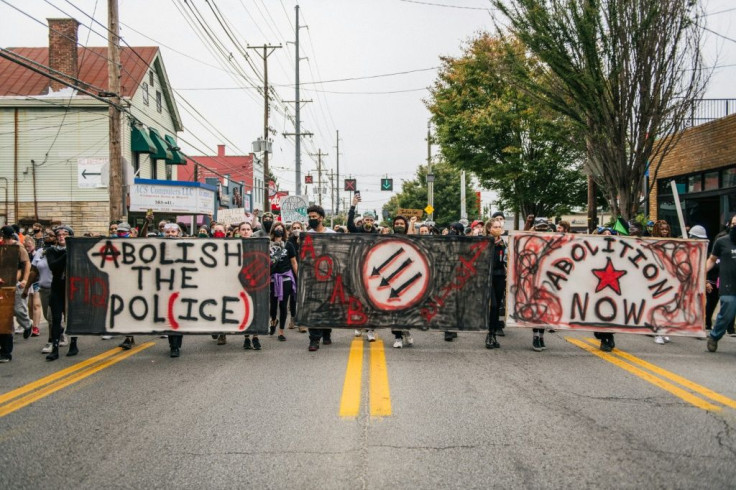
332 197
319 173
337 187
463 210
430 175
117 208
267 50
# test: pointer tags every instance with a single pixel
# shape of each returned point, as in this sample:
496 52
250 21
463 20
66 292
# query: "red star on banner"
608 277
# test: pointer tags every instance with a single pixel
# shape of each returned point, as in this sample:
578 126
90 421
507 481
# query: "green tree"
446 194
626 73
508 139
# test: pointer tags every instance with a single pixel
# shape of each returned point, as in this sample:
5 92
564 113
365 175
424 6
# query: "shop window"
663 187
695 183
711 181
729 177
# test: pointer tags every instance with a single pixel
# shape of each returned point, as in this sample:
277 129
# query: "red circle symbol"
395 275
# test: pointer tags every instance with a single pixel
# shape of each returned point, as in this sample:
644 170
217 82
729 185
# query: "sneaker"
18 330
272 327
256 344
712 344
489 341
291 323
408 339
64 341
47 348
27 332
174 352
106 337
35 332
605 346
327 340
535 345
371 336
313 345
358 333
659 340
127 343
6 358
541 343
450 336
246 344
398 344
221 339
281 338
302 329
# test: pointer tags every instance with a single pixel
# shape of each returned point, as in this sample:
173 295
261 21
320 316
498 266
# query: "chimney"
63 50
220 150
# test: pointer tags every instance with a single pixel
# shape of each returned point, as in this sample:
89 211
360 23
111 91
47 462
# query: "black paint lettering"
581 308
162 254
160 279
156 318
650 271
128 252
565 265
226 311
131 307
578 253
116 307
611 304
190 305
140 269
659 288
590 248
186 278
212 262
556 278
152 248
637 258
609 242
626 247
184 253
237 254
631 313
202 313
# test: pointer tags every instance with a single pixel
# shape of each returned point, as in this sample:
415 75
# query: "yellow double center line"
629 363
27 394
378 393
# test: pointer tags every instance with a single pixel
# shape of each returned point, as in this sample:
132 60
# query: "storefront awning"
140 142
162 148
178 158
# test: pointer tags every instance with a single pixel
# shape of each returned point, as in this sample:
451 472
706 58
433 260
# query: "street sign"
350 184
430 178
429 209
92 172
387 184
308 179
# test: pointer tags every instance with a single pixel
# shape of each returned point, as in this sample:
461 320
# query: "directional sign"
350 184
92 172
429 209
308 179
387 184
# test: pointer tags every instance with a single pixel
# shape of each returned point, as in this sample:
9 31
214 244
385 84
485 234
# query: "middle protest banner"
369 281
606 283
155 285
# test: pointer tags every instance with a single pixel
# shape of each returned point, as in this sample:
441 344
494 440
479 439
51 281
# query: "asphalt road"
461 416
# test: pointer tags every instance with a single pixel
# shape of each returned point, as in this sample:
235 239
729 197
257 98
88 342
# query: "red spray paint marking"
172 321
246 315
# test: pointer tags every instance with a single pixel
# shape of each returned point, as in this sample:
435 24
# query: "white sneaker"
659 339
18 330
64 341
47 348
398 344
358 333
408 338
666 339
371 336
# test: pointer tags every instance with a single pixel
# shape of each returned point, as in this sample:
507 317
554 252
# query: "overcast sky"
391 49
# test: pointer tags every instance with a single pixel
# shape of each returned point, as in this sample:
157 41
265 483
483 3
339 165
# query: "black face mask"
267 225
732 234
399 229
279 232
313 223
367 226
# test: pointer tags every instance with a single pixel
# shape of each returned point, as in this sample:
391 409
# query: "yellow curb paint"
350 400
380 395
63 383
57 375
707 392
669 387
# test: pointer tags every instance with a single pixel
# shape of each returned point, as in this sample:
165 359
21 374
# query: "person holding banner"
401 337
245 230
283 276
172 230
316 215
498 283
56 258
724 253
661 229
295 229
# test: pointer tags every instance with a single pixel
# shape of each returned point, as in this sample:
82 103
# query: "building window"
695 183
145 93
158 101
711 181
729 177
150 78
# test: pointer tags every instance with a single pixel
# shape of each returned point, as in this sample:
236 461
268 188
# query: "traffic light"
387 184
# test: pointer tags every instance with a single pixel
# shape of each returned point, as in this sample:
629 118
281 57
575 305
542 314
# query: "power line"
487 9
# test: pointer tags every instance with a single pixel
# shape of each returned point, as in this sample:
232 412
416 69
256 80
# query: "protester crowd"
40 289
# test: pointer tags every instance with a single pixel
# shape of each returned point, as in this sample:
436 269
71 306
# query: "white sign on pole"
294 208
172 199
92 172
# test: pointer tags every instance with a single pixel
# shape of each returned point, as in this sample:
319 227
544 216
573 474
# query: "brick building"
703 165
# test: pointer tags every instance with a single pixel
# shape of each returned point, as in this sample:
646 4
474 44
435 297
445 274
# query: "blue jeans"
725 317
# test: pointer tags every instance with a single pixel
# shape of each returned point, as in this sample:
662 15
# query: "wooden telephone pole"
117 206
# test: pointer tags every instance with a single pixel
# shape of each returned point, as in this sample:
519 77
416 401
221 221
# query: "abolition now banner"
153 285
606 283
367 280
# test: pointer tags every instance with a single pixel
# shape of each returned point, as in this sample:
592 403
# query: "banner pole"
679 208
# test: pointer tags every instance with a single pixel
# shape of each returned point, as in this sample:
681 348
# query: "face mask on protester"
732 234
367 226
203 235
399 229
219 234
313 223
267 225
296 232
278 232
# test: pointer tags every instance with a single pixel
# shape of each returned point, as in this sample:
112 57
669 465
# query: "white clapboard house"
54 140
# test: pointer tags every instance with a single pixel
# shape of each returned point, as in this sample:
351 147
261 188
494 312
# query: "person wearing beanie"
368 222
265 230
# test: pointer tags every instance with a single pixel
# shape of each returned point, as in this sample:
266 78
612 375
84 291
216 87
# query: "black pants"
498 290
56 303
6 344
175 340
604 336
319 333
281 305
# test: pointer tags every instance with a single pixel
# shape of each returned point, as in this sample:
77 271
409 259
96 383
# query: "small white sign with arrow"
92 172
